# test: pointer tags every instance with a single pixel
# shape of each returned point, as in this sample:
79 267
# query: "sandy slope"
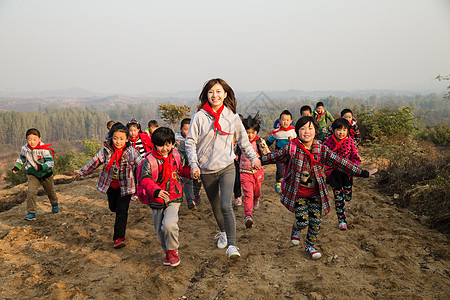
386 254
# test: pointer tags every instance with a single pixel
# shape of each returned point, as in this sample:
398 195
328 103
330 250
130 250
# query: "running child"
108 126
117 177
166 191
209 146
251 179
322 116
304 191
152 126
191 186
140 140
305 111
343 145
38 159
282 136
354 131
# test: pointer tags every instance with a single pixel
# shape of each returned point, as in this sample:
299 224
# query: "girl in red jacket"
165 190
341 143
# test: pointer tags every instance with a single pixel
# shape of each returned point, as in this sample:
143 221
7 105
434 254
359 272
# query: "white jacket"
211 150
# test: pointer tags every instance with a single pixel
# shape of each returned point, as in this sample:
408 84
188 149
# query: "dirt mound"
387 252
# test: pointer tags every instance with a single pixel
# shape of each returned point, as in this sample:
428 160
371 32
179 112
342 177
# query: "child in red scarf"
209 147
322 115
251 179
341 143
117 177
304 191
166 191
282 136
139 139
353 131
38 159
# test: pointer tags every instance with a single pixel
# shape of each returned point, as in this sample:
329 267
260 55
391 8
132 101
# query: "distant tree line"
77 123
54 124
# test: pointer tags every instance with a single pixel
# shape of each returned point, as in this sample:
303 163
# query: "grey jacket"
211 150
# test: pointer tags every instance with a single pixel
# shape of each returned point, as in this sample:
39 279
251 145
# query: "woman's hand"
371 172
195 173
164 195
257 165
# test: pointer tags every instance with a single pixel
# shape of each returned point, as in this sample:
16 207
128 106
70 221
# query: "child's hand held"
164 195
371 172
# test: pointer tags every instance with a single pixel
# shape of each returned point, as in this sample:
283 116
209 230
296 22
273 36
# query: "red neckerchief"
290 127
44 147
352 132
216 115
116 156
167 169
133 141
338 144
311 156
254 140
319 116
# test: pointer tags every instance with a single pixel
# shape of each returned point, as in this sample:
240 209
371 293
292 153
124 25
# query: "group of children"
150 164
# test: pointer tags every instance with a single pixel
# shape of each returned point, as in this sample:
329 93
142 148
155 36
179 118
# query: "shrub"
438 134
15 179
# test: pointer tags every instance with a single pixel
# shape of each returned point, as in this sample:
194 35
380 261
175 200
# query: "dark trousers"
119 205
237 181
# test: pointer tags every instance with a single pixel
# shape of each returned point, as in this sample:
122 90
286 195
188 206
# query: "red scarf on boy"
290 127
254 140
166 167
216 115
115 157
319 115
44 147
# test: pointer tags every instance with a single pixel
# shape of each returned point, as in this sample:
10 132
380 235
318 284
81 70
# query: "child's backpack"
141 192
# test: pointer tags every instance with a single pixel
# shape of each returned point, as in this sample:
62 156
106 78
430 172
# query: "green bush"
438 134
16 179
90 147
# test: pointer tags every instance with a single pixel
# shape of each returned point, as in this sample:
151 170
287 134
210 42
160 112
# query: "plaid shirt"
300 162
130 159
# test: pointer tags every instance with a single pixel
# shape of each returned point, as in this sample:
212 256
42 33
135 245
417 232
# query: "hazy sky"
143 46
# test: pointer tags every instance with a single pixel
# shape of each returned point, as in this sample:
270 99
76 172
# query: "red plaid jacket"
130 159
300 162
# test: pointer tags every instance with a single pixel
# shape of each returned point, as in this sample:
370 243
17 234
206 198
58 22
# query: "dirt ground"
387 252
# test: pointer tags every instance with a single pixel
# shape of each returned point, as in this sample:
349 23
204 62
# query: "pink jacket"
347 149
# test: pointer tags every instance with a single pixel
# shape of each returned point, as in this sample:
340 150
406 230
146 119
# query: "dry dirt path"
386 254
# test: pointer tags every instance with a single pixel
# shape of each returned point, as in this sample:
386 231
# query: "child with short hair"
282 136
305 110
108 126
151 126
117 177
166 191
353 131
304 190
38 159
251 179
139 139
191 186
343 145
322 115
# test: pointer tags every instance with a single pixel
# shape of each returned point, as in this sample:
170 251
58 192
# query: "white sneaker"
233 252
222 242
